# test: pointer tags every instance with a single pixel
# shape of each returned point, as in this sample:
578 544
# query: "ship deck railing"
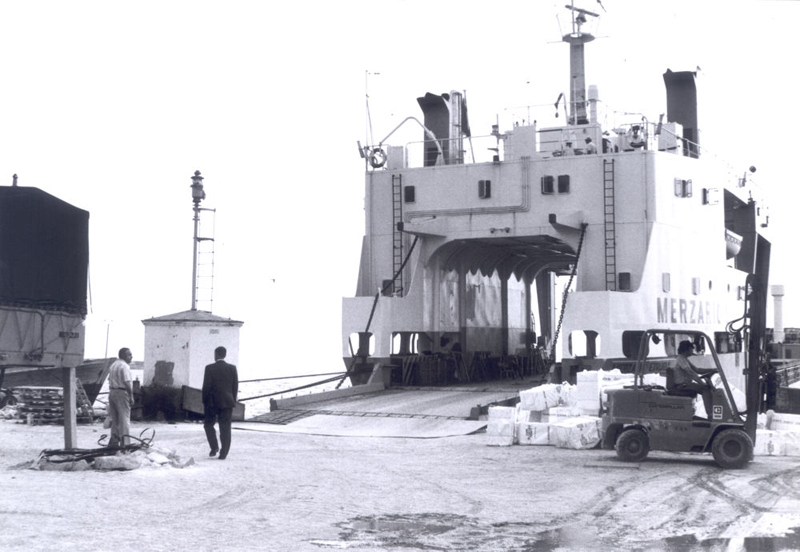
547 143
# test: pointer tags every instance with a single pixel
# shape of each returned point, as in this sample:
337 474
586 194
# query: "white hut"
177 347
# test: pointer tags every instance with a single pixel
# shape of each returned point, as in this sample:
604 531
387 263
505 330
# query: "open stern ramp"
423 412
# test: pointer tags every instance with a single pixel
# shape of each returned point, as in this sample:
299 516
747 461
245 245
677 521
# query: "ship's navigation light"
198 194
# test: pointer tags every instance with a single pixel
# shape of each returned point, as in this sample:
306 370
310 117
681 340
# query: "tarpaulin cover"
44 251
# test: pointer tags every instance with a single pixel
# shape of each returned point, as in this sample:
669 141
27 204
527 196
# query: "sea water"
256 395
285 388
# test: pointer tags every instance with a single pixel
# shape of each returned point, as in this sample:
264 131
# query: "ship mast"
576 39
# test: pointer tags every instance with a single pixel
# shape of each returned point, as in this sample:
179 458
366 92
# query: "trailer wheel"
632 445
6 398
732 449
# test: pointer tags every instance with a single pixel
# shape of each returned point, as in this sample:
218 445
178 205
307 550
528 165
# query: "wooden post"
70 408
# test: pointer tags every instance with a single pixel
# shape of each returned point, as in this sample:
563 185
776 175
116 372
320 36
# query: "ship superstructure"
649 230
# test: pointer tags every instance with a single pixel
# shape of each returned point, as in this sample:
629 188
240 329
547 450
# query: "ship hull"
92 375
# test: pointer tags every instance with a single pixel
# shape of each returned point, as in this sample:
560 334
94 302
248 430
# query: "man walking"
120 398
220 388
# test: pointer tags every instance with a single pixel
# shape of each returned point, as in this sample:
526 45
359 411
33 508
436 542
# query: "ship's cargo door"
486 291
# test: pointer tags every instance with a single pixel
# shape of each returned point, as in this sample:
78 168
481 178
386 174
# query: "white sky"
112 106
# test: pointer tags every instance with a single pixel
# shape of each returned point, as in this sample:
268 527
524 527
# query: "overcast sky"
112 106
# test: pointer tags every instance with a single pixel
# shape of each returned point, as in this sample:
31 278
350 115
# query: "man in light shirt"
690 378
120 398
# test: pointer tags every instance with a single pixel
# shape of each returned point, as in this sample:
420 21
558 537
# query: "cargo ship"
553 248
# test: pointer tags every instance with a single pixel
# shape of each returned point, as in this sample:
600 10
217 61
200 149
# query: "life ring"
377 158
637 138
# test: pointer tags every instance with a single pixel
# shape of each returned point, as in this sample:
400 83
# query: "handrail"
426 129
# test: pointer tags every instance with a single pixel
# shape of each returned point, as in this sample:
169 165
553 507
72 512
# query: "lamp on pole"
198 195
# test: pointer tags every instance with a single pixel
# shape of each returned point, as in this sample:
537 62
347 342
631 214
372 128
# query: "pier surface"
303 492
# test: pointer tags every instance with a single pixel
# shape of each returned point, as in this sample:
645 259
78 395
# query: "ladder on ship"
397 235
609 225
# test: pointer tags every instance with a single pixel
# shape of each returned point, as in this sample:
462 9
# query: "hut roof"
193 316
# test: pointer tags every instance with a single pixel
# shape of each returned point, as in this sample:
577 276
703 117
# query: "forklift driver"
687 378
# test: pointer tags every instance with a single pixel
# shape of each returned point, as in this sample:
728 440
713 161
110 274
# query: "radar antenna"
579 16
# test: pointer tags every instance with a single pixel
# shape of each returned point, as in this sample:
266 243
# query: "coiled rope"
59 456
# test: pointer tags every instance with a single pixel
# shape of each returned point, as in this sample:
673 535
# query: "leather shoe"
223 456
213 453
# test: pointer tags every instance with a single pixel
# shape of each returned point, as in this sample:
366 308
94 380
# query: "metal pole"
194 256
70 408
108 331
198 195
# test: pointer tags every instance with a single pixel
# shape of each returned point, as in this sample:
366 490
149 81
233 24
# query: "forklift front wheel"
632 445
732 449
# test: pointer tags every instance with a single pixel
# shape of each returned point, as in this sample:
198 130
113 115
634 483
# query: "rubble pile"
9 412
148 458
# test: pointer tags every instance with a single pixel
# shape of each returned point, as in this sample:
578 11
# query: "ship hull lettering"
687 311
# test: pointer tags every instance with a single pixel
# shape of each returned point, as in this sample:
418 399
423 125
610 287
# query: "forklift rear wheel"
732 449
632 445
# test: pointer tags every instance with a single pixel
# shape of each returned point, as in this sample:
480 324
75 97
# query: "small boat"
91 373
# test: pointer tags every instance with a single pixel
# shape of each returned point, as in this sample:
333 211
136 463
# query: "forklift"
641 418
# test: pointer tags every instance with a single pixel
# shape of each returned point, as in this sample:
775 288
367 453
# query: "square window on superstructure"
563 184
548 184
484 189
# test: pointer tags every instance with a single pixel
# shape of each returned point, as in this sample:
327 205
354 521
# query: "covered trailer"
44 263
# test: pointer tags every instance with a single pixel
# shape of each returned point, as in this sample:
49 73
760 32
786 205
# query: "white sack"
577 433
534 434
545 396
500 432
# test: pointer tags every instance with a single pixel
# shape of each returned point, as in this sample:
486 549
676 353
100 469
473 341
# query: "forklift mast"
756 311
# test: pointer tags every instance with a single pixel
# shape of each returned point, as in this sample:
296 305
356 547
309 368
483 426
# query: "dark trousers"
223 417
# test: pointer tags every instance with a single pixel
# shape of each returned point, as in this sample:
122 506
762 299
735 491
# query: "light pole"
198 195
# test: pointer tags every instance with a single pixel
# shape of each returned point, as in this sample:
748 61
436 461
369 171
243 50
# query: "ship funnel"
682 107
446 116
777 298
594 96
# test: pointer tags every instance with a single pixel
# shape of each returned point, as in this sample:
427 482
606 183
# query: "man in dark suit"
220 388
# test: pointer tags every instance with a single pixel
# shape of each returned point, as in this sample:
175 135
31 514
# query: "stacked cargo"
568 416
778 435
40 405
45 405
562 415
546 415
